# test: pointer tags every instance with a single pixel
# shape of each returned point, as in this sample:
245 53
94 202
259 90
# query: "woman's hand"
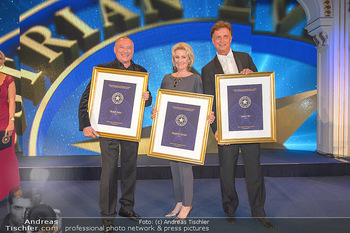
9 129
154 112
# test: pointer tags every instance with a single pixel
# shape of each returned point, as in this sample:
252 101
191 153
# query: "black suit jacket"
243 61
84 120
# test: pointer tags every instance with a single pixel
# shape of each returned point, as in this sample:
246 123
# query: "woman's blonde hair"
189 53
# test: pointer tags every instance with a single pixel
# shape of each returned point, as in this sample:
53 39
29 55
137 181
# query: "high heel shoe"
171 214
175 212
188 215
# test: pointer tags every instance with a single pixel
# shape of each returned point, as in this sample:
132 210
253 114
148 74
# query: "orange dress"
9 173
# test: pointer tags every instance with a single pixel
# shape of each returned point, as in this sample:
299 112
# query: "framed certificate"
115 103
246 107
180 127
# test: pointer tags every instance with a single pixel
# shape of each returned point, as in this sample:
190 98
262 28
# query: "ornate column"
328 24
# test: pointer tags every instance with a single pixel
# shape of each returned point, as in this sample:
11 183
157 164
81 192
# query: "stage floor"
294 204
306 192
276 163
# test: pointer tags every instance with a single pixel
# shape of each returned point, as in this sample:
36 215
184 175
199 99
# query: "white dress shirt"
228 63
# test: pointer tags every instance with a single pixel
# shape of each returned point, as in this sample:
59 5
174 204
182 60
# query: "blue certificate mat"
117 103
245 107
180 126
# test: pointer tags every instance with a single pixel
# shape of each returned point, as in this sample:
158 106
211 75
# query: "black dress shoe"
266 223
230 217
108 226
130 214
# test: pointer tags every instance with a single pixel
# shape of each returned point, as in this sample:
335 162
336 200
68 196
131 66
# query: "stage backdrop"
53 49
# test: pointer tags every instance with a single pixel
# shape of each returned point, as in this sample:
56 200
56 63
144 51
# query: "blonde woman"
182 80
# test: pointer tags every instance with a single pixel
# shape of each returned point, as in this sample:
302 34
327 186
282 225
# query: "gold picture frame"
115 103
246 111
180 127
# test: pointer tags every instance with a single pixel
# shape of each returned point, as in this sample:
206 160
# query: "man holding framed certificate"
230 62
124 50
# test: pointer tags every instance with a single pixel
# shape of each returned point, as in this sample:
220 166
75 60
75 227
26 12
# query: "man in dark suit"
124 50
227 62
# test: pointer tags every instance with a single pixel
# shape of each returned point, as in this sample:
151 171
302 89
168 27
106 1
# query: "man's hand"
216 137
89 132
246 71
211 118
145 95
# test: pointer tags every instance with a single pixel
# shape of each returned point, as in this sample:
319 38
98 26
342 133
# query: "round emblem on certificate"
245 102
118 98
5 140
181 120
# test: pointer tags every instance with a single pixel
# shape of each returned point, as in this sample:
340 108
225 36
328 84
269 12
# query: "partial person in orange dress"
9 173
